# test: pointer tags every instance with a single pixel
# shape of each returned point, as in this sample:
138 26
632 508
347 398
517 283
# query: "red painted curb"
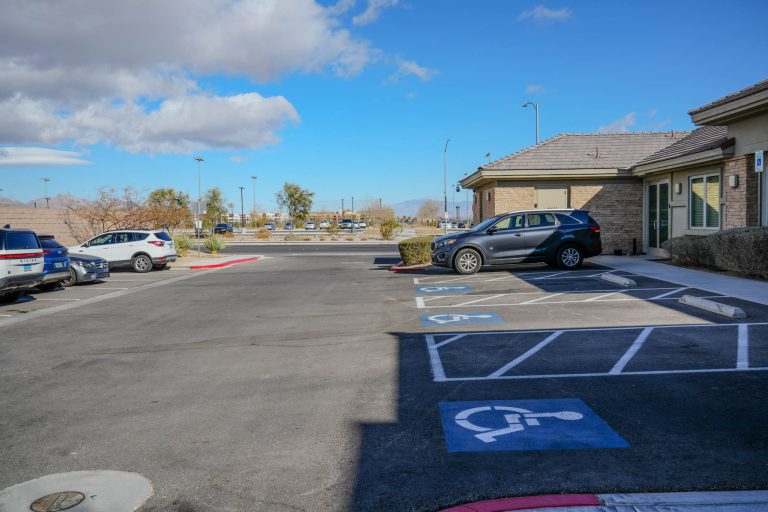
529 503
220 265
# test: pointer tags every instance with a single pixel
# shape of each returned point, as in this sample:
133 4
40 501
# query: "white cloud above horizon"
372 11
38 157
541 14
621 125
535 89
411 68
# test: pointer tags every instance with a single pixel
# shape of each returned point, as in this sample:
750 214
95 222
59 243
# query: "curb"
529 503
400 268
619 280
713 307
224 264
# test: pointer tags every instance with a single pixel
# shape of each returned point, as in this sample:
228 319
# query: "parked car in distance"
310 225
443 223
557 237
139 249
21 263
362 224
222 228
86 269
289 225
270 226
56 263
325 224
345 224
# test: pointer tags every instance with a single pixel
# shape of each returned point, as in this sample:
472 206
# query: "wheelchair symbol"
434 289
450 318
517 421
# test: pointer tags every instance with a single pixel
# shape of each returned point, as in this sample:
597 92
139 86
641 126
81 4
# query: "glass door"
658 214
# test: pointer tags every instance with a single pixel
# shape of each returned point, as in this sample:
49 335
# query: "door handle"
518 234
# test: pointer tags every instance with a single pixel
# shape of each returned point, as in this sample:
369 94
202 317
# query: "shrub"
306 239
743 250
350 239
416 250
388 228
262 235
292 238
333 229
214 243
183 244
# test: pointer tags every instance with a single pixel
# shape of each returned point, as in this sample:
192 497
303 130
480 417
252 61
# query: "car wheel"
467 261
9 298
569 257
141 263
72 279
48 286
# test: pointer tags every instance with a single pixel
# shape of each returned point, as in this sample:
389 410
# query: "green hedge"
416 250
743 250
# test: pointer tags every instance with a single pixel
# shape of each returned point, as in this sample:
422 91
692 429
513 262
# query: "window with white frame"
704 201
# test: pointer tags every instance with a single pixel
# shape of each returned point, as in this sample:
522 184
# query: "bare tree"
429 210
108 211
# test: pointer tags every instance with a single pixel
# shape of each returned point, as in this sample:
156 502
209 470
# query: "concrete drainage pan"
78 491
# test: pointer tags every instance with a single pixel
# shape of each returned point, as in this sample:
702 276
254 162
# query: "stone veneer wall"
741 202
43 220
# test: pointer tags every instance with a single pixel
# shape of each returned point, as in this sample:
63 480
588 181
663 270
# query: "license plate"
59 264
27 268
102 275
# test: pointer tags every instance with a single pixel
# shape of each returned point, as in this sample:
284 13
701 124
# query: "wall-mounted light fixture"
733 180
678 188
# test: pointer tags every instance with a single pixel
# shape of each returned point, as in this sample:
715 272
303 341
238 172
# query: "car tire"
71 280
47 287
141 263
10 298
467 261
569 257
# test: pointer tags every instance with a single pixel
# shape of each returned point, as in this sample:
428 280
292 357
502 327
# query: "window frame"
704 177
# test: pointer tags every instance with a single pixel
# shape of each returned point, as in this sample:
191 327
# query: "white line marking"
420 303
549 276
95 289
601 273
533 301
742 356
449 340
482 299
600 329
36 299
667 294
6 315
636 345
623 374
438 373
598 297
546 341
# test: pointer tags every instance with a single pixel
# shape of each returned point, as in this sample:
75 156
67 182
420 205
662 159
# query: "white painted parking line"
633 349
576 297
36 299
97 288
549 276
491 277
546 341
742 355
6 315
740 333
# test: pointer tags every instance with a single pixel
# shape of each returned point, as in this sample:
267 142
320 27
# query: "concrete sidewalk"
737 287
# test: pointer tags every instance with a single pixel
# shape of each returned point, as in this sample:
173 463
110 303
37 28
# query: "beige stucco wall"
678 211
751 134
52 221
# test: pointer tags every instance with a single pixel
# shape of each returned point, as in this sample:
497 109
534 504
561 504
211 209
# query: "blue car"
56 263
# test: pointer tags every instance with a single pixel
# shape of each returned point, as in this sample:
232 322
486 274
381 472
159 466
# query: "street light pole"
445 186
242 211
45 186
536 108
253 213
198 224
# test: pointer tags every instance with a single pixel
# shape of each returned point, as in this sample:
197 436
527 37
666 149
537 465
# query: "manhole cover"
57 501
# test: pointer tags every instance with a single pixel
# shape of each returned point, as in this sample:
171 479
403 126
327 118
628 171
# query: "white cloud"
410 96
36 156
409 67
541 14
237 159
373 11
534 89
341 7
653 112
621 125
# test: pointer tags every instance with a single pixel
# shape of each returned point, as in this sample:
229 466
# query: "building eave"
484 176
732 111
712 156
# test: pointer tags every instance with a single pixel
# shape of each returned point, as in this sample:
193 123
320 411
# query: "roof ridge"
667 132
525 150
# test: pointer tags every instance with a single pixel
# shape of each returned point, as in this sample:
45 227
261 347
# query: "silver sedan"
86 269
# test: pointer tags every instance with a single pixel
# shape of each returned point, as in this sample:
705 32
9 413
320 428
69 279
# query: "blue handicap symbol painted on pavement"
525 425
451 319
443 289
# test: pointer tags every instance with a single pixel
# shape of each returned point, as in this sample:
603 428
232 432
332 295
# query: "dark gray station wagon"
557 237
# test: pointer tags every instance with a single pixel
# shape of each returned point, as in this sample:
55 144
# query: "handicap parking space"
119 280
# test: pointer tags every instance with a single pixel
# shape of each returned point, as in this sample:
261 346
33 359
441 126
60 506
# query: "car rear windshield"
565 219
50 244
19 241
162 235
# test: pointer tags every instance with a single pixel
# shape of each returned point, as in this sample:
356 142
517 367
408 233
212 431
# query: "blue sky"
345 98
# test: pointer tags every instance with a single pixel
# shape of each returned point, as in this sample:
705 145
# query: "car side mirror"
492 230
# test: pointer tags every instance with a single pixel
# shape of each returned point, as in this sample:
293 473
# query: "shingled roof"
587 151
743 93
701 139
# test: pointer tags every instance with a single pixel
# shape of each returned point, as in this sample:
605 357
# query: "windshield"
485 224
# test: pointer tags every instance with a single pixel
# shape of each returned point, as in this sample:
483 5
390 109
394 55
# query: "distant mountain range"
411 207
58 201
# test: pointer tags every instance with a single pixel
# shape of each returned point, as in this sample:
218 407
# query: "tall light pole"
536 108
198 224
445 186
254 199
242 211
45 186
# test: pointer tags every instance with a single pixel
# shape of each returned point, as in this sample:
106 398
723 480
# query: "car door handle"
518 234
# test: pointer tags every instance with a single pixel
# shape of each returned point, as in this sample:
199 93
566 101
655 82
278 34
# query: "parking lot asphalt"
330 383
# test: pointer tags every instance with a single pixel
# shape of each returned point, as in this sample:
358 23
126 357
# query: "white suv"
139 249
21 263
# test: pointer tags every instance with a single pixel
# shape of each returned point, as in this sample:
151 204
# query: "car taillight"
157 243
596 229
46 251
